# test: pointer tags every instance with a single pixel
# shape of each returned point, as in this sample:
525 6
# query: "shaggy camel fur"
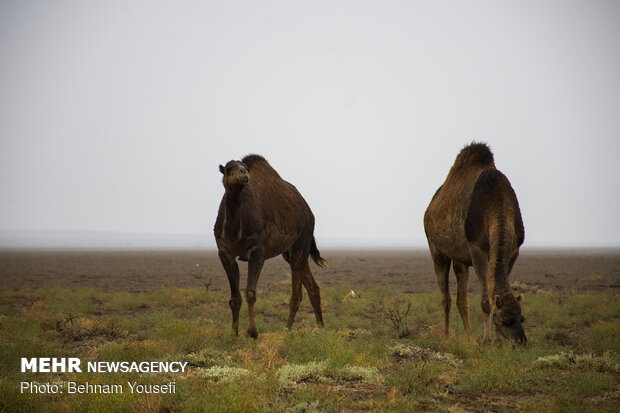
262 216
474 219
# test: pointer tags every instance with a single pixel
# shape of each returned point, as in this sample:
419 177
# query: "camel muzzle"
520 338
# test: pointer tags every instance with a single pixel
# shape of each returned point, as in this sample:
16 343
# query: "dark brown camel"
474 219
262 216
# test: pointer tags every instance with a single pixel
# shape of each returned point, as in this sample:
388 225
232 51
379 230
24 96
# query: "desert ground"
408 271
382 351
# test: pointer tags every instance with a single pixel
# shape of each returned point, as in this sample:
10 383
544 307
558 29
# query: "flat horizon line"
86 239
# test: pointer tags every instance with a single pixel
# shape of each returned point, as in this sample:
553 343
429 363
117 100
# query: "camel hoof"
252 333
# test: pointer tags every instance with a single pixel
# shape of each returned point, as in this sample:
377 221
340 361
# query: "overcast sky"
114 115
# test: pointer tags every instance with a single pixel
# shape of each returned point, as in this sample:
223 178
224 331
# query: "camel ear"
221 169
498 301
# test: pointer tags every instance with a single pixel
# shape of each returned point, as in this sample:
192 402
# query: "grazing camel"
474 219
262 216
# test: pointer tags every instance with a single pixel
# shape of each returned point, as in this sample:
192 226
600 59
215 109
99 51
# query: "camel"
474 220
262 216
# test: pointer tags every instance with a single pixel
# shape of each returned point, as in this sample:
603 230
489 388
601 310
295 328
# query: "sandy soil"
407 270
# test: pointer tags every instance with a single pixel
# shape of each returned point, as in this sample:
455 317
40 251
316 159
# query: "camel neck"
232 216
500 285
233 199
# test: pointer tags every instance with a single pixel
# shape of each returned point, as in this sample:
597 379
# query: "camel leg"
481 265
296 296
255 264
442 270
232 271
314 293
462 276
296 293
297 257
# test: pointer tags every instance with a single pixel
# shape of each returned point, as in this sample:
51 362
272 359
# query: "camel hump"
475 154
251 159
316 255
492 193
258 166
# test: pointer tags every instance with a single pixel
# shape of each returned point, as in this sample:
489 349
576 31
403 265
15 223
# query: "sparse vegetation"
357 362
395 314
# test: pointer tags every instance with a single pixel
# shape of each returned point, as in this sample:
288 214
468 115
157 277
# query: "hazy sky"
114 115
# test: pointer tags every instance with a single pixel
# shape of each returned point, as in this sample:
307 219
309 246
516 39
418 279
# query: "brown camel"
262 216
474 219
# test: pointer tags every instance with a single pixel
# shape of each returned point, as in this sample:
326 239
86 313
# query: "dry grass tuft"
410 352
83 328
223 374
569 360
320 372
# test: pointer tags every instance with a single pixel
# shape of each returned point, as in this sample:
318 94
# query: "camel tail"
316 255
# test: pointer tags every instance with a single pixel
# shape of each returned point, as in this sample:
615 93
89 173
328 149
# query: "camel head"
508 319
236 175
